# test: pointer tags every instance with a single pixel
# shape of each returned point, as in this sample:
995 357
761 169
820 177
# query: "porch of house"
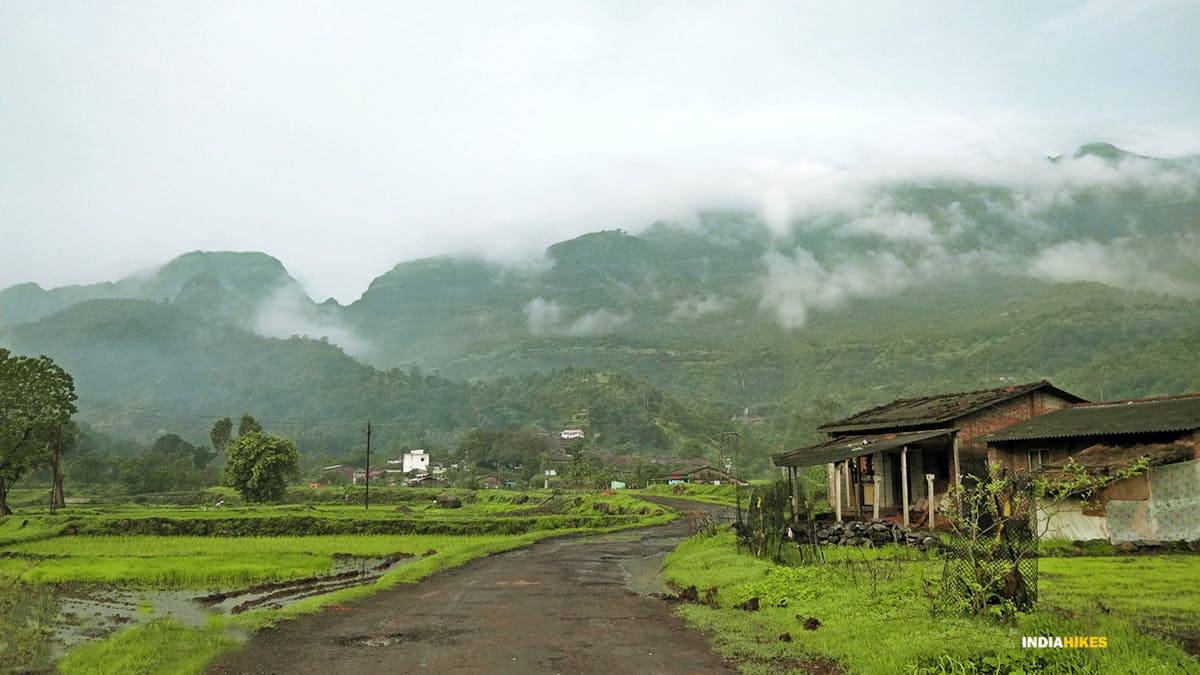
903 477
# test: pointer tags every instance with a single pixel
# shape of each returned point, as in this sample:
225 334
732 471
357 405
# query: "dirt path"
560 606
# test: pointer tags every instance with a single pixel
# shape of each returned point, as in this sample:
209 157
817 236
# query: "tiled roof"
845 447
1177 413
937 410
1106 459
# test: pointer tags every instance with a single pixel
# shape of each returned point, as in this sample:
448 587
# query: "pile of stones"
867 533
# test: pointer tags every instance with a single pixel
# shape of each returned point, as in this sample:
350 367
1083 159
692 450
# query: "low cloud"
1123 263
288 312
798 283
546 318
599 322
695 307
543 316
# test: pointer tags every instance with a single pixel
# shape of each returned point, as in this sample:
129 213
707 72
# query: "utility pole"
734 439
367 498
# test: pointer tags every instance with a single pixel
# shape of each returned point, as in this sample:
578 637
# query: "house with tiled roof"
1160 503
1049 440
902 457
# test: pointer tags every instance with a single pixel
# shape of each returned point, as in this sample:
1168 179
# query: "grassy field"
711 494
874 616
43 557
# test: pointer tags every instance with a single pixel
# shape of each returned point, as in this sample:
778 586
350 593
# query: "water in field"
89 611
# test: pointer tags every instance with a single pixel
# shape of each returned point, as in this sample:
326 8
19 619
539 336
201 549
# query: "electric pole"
367 498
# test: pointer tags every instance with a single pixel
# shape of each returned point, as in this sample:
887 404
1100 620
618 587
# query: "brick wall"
996 417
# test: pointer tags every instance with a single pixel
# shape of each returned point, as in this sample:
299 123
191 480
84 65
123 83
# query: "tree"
248 425
259 466
221 434
37 397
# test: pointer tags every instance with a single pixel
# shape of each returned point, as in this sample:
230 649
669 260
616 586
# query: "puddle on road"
645 575
93 612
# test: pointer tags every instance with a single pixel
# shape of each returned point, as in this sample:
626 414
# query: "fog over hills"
1085 269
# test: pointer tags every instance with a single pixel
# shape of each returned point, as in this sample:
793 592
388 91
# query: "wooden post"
850 500
794 477
929 497
837 494
904 482
957 478
875 510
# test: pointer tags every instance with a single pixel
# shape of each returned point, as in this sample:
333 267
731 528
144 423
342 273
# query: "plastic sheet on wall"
1065 520
1175 501
1172 513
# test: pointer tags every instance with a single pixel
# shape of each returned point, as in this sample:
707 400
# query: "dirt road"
560 606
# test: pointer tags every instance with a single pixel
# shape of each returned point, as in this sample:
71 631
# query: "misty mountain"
1083 270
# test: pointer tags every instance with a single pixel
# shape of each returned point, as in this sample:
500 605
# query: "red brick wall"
999 416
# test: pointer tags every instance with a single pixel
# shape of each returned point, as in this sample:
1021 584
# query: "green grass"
160 646
875 618
711 494
40 551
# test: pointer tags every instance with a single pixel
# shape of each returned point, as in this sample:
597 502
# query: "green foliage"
993 568
883 626
221 434
171 463
160 646
26 624
1085 484
259 466
248 425
37 399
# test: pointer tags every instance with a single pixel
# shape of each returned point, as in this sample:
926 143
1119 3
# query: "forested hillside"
1086 275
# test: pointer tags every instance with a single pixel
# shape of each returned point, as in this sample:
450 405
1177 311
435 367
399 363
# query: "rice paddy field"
112 587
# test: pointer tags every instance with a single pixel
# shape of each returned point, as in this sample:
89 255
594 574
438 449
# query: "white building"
570 434
413 459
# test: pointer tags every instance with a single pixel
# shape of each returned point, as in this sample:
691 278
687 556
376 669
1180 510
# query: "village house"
697 475
413 460
902 457
1161 503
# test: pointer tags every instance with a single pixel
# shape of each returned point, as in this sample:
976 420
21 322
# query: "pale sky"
344 137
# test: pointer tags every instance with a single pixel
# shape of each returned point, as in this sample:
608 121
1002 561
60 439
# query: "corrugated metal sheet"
1181 413
846 447
939 409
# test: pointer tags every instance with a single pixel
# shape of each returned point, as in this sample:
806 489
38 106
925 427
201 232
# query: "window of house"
1038 459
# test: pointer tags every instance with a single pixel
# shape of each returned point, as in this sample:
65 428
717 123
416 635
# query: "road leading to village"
559 606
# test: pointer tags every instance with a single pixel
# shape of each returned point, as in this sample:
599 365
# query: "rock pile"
868 533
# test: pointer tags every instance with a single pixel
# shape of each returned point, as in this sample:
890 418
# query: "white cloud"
288 312
695 307
543 316
600 322
796 284
1121 263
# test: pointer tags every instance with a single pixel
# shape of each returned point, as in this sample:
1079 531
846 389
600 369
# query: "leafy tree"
171 463
221 434
259 466
248 425
37 397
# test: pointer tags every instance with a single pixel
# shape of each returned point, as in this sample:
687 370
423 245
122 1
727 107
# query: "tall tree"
259 466
37 397
248 425
221 434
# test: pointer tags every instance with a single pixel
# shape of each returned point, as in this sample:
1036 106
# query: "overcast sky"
344 137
